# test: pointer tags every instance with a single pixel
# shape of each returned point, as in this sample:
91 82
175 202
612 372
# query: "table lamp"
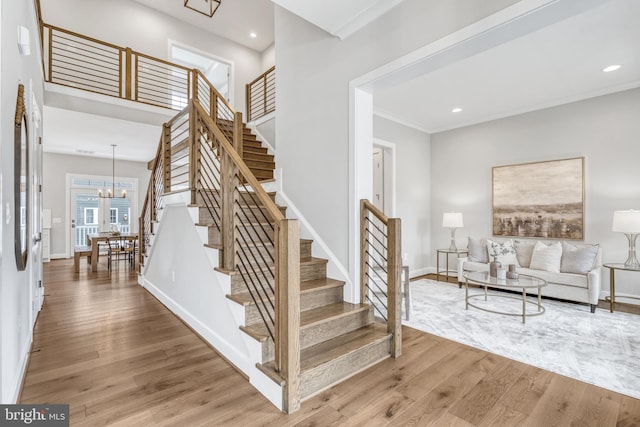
452 220
628 222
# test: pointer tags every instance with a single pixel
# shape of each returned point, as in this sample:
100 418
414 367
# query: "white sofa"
582 288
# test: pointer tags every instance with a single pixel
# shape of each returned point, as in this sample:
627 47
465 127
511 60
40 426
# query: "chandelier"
111 193
205 7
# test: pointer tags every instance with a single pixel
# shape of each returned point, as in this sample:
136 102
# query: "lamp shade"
452 219
626 221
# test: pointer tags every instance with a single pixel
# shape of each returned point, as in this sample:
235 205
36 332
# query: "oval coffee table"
523 283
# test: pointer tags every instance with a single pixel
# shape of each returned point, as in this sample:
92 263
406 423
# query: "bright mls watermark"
34 415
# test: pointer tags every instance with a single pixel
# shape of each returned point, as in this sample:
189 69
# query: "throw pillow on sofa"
524 250
504 252
546 258
578 260
477 250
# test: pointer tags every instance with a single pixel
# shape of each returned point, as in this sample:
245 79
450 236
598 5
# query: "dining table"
95 239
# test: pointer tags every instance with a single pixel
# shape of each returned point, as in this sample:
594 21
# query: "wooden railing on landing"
381 269
261 95
74 60
199 153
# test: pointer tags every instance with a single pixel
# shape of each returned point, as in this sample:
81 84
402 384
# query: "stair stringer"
179 272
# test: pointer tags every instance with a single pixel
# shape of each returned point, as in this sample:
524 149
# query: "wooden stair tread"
332 349
329 350
303 261
309 318
244 298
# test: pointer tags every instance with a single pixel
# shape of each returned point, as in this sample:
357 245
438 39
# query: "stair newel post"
228 184
364 227
194 150
394 272
127 71
238 128
213 107
287 309
194 84
164 161
247 100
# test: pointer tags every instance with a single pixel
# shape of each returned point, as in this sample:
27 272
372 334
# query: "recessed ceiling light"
456 110
253 35
611 68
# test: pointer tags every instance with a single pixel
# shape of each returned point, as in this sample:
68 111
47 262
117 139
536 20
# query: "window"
91 216
113 216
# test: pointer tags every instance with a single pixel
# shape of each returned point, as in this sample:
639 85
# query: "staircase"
337 339
303 337
260 162
314 339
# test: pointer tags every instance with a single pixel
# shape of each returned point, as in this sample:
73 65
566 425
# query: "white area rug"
602 348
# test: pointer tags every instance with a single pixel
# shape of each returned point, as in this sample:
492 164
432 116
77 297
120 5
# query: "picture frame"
539 199
21 181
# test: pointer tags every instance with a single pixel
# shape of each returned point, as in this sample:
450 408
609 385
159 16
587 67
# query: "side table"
612 281
446 253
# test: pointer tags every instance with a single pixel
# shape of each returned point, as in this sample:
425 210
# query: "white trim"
261 138
335 269
217 341
262 119
69 177
389 116
390 149
507 24
17 385
232 66
364 18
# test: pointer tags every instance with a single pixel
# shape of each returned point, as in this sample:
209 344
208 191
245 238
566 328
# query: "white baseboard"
58 256
215 340
17 385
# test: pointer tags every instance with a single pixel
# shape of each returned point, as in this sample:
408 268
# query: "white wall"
605 130
412 189
180 274
314 71
268 58
131 24
15 286
55 168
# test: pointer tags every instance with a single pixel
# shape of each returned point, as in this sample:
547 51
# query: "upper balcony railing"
261 95
82 62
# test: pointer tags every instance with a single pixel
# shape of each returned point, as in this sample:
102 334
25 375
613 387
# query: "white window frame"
95 216
111 210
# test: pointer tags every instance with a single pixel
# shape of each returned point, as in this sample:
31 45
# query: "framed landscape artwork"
542 199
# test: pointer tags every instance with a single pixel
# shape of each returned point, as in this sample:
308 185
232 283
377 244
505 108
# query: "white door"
90 213
378 179
35 147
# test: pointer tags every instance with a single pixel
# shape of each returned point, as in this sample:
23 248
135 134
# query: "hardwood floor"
105 346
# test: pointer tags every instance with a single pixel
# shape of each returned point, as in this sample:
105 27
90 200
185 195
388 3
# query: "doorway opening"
89 213
216 70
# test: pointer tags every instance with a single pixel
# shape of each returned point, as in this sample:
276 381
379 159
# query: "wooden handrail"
390 229
260 93
367 205
81 36
206 143
218 94
243 169
261 76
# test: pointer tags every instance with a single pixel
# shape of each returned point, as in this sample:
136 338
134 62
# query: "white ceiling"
234 19
82 134
556 65
340 18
